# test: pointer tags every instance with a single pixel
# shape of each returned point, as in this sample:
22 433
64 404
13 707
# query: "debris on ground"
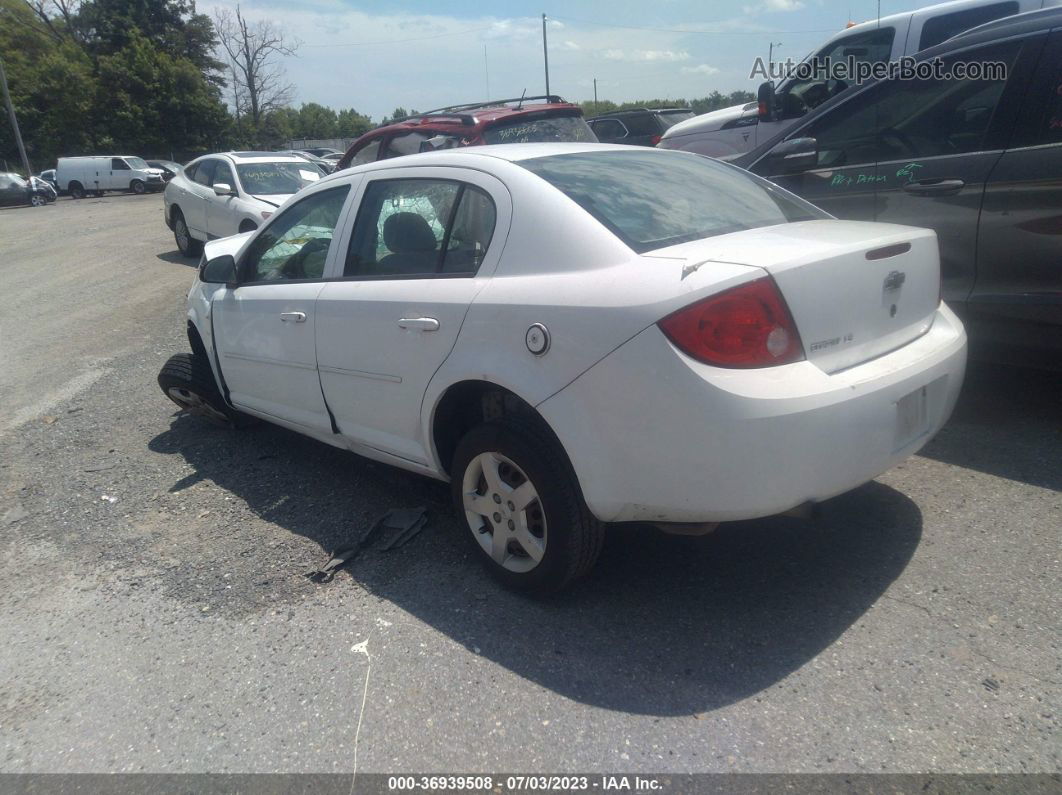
396 528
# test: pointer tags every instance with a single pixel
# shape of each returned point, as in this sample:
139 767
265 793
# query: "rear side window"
653 199
421 228
643 124
609 129
540 129
367 154
945 26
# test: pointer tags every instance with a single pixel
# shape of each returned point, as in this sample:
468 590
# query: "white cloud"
700 69
645 55
767 6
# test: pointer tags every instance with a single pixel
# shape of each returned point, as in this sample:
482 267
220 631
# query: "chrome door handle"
298 317
419 323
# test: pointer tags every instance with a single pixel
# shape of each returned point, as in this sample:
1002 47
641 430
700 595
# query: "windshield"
528 130
277 178
654 199
136 162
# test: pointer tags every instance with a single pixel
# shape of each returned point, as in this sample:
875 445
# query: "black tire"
190 247
573 536
188 381
77 190
137 186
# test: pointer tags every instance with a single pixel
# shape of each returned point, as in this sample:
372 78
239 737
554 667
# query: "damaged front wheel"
188 381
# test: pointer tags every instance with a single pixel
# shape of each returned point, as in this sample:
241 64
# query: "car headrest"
408 232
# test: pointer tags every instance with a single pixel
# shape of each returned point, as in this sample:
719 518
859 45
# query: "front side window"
653 199
295 245
539 129
413 142
204 172
137 162
910 119
223 174
800 96
420 227
276 178
117 164
946 26
367 154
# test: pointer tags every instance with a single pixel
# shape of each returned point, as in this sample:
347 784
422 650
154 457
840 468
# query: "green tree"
351 124
316 121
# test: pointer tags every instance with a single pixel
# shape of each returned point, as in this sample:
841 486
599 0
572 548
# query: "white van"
738 129
80 176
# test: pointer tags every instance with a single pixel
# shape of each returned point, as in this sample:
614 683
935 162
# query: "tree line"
158 79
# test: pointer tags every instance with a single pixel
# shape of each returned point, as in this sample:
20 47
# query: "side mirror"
793 156
220 270
765 100
223 189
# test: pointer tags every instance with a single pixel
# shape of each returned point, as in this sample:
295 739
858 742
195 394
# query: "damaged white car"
575 335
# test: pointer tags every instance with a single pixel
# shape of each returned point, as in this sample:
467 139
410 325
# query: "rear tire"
513 479
186 244
188 381
77 190
137 187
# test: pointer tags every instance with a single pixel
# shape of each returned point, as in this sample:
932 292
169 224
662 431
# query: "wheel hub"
504 512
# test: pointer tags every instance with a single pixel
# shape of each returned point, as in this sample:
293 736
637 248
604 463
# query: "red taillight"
655 140
747 326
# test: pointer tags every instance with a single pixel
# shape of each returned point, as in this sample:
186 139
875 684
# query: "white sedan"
231 192
579 334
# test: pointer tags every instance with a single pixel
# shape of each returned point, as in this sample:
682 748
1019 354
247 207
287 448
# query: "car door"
119 175
200 191
422 247
10 193
918 152
1019 240
221 216
264 327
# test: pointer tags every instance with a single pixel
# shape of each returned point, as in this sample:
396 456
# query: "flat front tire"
522 508
188 381
186 244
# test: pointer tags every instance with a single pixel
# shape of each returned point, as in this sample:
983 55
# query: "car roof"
462 118
258 157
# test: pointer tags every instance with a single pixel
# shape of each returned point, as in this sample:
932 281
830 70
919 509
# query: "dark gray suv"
977 159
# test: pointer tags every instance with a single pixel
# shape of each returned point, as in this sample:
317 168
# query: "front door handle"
298 317
419 323
934 187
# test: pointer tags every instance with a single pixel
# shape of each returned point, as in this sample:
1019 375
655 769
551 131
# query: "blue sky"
374 55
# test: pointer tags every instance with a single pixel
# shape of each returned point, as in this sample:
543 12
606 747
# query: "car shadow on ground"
1007 423
664 625
177 258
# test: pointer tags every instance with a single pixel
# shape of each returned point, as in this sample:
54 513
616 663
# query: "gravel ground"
155 615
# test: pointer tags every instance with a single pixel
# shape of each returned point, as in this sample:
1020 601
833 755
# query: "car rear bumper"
656 436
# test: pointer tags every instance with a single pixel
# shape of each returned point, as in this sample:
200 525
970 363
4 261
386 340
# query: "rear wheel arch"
467 404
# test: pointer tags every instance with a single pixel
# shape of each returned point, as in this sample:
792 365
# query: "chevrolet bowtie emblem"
894 281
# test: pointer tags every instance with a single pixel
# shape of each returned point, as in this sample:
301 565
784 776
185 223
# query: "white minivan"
739 129
80 176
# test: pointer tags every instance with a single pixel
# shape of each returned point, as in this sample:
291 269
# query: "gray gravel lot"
155 616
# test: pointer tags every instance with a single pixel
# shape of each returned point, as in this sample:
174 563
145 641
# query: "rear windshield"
673 117
655 199
525 130
277 178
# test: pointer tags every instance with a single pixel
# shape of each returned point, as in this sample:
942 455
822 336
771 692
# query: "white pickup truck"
739 129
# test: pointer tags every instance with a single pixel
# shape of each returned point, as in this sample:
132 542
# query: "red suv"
503 121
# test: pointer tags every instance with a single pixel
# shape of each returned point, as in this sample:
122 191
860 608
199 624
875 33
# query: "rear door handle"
419 323
298 317
934 187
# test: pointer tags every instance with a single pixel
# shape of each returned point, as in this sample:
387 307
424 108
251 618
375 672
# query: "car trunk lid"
856 290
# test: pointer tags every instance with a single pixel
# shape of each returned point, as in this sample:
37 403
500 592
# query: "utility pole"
14 121
486 73
770 56
545 52
595 95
